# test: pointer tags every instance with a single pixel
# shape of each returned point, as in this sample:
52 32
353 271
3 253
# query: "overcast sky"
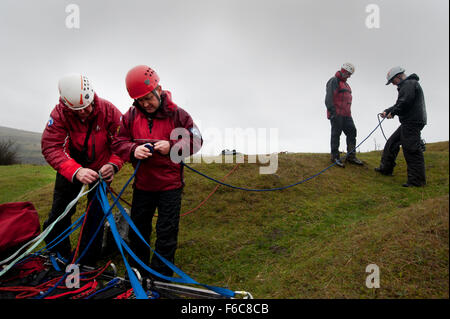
230 63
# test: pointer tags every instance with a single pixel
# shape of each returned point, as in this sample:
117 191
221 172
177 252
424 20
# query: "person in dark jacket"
155 121
338 101
410 108
77 143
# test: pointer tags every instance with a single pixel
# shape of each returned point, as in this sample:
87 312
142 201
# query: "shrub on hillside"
8 153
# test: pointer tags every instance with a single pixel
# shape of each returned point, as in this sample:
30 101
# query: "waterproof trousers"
407 136
64 192
341 124
143 209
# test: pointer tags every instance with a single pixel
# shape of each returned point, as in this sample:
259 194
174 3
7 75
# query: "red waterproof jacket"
158 172
64 138
338 99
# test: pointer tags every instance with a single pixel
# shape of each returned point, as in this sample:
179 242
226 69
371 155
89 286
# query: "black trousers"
63 194
341 124
407 136
143 208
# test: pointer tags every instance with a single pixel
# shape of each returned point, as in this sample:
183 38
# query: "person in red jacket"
77 143
159 134
338 101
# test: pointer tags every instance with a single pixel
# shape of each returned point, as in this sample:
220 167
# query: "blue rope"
283 187
109 285
137 288
184 277
106 215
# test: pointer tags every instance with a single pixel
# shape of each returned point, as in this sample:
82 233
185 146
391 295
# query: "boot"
337 161
354 160
382 171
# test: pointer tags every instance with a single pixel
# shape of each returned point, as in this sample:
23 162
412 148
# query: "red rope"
210 194
199 205
81 232
28 292
126 295
89 287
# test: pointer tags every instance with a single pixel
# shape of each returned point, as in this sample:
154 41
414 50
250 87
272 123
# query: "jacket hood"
339 76
410 77
413 77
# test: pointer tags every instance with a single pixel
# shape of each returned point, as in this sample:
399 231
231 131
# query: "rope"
81 232
37 240
121 244
115 193
194 209
210 194
381 127
52 284
283 187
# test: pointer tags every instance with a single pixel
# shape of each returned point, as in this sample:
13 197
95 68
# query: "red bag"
19 223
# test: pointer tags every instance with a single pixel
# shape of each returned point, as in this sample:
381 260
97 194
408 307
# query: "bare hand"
389 116
86 175
163 147
142 152
107 172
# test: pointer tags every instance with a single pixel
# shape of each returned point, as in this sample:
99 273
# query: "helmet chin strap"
155 93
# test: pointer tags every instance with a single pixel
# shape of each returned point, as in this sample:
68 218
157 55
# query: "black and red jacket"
158 172
64 137
338 99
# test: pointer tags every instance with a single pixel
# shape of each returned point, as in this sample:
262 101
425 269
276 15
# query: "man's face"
84 113
396 80
346 74
150 102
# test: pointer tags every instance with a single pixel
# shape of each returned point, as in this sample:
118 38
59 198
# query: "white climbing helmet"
76 91
396 70
350 68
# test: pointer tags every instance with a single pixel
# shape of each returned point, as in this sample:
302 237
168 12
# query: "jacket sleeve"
332 86
406 95
122 144
114 122
55 146
190 140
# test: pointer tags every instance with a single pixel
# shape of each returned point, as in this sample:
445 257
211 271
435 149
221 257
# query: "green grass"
313 240
17 180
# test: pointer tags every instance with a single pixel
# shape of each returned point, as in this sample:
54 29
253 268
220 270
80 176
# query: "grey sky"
230 64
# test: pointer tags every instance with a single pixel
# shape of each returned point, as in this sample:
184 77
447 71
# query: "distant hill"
28 144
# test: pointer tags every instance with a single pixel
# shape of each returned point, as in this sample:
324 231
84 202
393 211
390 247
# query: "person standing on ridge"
150 132
77 143
338 101
410 108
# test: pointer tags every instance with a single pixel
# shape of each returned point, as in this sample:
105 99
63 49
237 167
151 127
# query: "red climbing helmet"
140 81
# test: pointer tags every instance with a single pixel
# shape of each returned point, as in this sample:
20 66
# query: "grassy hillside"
28 144
316 239
17 180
